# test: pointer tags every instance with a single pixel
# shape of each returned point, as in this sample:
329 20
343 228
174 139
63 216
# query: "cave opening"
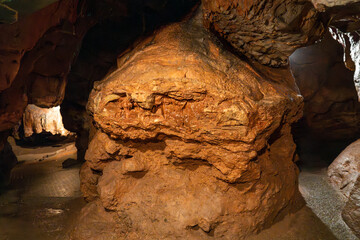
328 126
211 120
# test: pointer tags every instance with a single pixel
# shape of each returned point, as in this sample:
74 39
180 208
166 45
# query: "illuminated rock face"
37 120
192 142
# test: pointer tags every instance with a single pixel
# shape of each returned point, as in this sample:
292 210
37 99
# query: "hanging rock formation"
267 31
37 120
192 142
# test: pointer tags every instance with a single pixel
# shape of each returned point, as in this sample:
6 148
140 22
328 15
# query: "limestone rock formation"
345 169
193 142
37 120
267 31
351 211
100 48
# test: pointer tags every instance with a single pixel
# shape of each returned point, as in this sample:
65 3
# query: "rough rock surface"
331 109
345 169
351 211
119 24
193 142
267 31
37 120
88 184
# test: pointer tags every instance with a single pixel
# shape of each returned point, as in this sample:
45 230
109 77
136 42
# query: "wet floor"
43 199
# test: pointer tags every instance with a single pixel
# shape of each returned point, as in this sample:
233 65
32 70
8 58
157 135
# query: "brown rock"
194 143
267 31
351 211
345 169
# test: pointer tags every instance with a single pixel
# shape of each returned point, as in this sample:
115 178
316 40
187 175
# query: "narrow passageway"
43 198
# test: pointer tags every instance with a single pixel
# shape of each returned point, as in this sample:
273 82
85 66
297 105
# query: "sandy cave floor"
43 200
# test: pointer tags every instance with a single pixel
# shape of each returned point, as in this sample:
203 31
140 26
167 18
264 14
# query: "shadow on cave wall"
331 111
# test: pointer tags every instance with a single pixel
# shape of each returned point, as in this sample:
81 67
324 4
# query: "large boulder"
192 142
345 169
344 175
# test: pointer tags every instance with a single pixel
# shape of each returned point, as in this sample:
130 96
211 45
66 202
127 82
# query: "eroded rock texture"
37 120
192 142
267 31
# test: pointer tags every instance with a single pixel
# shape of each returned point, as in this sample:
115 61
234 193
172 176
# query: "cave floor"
43 200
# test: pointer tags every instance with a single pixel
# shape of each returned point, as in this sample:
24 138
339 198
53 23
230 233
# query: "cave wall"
205 112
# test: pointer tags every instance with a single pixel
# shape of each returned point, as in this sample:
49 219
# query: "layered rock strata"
192 142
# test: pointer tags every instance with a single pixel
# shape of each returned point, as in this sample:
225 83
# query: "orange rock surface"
192 141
